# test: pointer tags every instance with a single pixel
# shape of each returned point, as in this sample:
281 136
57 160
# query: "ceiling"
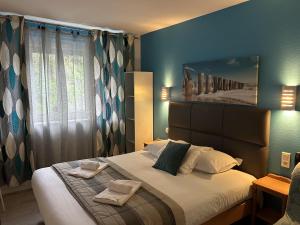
136 16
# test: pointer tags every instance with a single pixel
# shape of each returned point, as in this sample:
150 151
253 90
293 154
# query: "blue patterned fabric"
129 53
109 66
113 55
14 136
292 213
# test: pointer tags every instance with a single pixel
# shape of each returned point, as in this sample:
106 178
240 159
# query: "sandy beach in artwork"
232 81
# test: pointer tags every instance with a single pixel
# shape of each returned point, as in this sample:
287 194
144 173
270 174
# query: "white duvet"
201 196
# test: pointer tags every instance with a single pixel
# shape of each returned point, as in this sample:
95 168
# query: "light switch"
285 159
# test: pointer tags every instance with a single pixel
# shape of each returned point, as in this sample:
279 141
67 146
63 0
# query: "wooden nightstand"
274 185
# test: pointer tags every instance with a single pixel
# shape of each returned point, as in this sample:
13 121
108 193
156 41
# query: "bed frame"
241 131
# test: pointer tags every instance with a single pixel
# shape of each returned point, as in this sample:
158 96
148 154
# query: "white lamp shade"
288 98
165 94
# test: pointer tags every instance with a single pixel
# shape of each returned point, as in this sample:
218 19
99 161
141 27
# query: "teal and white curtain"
15 152
113 53
63 99
129 53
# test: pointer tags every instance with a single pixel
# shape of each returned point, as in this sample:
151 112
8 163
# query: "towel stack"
118 192
89 165
117 186
88 169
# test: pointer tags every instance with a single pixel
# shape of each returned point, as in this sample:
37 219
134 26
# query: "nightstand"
276 186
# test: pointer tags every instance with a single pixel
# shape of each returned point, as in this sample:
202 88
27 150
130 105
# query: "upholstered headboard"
240 131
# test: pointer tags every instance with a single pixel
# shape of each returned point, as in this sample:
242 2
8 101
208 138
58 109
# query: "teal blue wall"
268 28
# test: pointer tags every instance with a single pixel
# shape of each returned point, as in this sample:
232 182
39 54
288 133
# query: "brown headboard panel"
240 131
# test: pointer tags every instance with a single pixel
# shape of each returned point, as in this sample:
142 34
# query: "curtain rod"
77 28
66 24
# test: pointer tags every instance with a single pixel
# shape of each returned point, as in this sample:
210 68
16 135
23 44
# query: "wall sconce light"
288 97
165 93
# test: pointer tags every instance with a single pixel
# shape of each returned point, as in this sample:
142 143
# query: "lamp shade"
165 94
288 98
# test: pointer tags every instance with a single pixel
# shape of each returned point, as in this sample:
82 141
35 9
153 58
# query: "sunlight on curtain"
61 96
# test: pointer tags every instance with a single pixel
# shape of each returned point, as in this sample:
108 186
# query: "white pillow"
239 160
215 162
191 158
157 147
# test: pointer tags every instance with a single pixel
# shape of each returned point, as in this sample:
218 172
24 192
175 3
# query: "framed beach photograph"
232 81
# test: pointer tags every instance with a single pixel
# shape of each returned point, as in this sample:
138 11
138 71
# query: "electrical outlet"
285 159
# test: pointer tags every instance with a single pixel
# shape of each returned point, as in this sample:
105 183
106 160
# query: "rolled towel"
118 187
89 165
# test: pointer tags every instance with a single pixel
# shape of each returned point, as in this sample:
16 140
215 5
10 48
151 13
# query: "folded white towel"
118 187
89 165
82 173
116 198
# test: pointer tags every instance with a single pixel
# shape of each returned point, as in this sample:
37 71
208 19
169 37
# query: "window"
60 79
38 82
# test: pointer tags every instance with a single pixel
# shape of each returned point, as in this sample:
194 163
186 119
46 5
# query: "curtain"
111 51
14 137
129 53
62 101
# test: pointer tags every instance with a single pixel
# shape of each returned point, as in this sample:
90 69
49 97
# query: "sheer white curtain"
61 95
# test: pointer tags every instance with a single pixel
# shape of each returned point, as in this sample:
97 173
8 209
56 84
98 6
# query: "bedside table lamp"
288 97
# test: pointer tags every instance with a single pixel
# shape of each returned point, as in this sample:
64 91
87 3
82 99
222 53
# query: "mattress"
201 196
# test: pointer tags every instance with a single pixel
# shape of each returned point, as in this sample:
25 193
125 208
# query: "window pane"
36 81
74 69
52 83
59 76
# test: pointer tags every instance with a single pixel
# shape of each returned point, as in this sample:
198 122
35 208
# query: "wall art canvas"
232 81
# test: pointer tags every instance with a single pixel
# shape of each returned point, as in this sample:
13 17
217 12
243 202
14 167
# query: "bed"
205 199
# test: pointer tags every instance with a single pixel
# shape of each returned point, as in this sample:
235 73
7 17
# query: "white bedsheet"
201 196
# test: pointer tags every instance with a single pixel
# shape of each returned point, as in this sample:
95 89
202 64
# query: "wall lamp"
288 97
165 94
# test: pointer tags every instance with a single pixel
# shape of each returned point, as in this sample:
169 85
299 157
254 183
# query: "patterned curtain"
129 52
111 54
14 137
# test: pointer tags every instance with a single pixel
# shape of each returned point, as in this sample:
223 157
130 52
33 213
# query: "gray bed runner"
147 207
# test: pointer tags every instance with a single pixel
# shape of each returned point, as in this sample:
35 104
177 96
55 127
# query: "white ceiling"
136 16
